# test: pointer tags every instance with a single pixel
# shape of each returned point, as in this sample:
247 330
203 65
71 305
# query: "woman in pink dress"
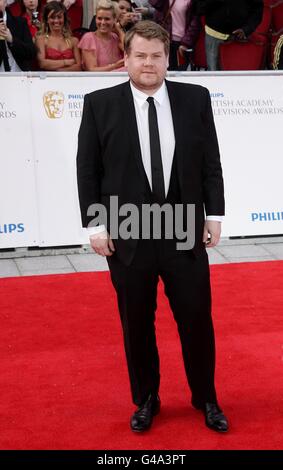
57 48
102 50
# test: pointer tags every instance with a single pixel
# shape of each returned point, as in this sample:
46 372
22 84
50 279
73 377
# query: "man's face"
147 63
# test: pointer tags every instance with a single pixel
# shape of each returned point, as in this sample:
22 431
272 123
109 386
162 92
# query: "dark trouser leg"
173 57
187 286
136 288
212 52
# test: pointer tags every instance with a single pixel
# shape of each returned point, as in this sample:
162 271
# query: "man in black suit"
17 49
153 142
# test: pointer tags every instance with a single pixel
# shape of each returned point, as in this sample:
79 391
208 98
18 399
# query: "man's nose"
147 61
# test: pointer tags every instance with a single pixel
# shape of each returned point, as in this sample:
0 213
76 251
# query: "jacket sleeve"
254 18
212 181
192 31
204 7
159 4
89 162
22 47
146 4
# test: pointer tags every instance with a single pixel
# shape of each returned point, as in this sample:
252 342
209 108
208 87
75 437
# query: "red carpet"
64 382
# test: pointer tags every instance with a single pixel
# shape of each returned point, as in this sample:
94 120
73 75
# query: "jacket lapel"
11 24
178 114
129 114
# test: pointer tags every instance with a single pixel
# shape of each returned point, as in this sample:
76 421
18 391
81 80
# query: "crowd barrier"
40 115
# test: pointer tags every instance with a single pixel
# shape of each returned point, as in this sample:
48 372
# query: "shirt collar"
159 96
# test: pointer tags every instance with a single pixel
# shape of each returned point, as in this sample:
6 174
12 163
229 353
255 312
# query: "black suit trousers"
187 285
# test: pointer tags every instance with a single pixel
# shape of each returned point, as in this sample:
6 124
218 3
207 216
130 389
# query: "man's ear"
125 59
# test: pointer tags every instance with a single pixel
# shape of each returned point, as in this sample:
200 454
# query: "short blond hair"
106 5
148 30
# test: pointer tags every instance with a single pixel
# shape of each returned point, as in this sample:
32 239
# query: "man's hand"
5 32
211 233
69 62
102 244
118 64
68 3
239 34
126 18
182 50
142 10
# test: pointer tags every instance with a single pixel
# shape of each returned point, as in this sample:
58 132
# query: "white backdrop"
55 142
248 112
18 195
39 121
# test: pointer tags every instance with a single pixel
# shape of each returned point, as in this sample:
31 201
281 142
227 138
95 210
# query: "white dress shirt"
165 127
166 133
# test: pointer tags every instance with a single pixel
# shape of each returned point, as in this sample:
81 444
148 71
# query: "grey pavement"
30 262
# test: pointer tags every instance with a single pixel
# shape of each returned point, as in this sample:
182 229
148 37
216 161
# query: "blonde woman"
57 48
102 50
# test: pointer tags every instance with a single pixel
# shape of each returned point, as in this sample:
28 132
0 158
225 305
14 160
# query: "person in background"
67 3
30 10
144 8
225 20
75 12
132 11
57 48
177 17
128 13
17 49
102 50
125 16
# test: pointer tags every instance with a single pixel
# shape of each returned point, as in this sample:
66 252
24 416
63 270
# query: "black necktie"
4 55
158 188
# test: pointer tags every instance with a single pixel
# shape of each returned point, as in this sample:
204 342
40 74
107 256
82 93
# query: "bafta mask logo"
53 102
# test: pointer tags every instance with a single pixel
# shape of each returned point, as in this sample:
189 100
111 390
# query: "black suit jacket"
109 158
23 48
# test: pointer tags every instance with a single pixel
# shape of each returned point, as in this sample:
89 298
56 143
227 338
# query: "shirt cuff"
95 230
216 218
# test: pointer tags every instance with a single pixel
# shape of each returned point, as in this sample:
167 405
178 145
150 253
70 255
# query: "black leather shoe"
214 417
143 416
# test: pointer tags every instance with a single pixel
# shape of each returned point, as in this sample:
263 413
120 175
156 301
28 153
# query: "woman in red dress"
57 48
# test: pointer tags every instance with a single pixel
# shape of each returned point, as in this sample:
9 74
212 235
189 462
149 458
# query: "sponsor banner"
248 113
57 105
38 176
18 199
